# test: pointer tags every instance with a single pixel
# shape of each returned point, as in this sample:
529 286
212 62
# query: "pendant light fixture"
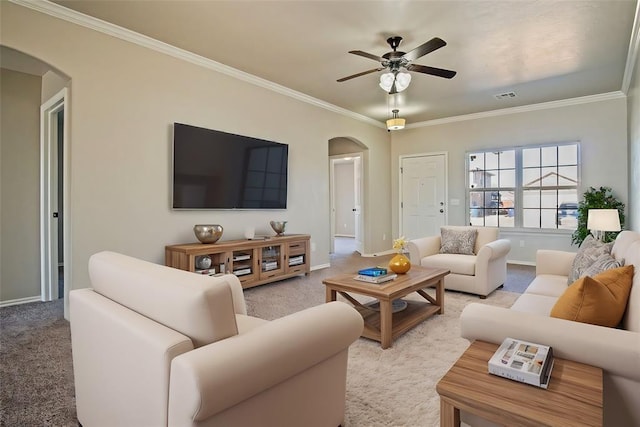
395 123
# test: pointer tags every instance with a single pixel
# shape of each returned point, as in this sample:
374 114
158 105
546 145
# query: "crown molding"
634 45
69 15
522 109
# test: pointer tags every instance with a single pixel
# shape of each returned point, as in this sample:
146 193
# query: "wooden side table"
574 396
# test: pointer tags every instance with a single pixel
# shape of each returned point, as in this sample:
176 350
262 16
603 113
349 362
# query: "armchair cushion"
200 307
456 264
457 241
599 300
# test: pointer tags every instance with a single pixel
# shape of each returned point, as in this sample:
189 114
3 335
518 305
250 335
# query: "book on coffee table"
373 271
376 279
523 361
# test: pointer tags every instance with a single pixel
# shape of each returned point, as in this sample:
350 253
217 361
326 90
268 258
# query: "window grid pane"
547 187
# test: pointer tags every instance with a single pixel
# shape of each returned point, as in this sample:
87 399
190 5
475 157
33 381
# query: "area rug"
396 386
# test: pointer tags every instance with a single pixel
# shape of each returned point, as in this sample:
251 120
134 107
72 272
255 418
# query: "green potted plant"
601 198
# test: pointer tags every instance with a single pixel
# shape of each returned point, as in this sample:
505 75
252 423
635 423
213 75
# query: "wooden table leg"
449 414
440 295
332 295
385 324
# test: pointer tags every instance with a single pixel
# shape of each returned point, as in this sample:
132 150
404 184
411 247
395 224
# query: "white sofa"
157 346
478 274
615 350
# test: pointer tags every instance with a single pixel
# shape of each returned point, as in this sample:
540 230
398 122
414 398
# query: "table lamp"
601 220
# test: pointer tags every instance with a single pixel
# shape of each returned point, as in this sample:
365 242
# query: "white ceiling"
541 50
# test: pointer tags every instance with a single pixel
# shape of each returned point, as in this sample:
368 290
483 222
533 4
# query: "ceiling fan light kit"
401 80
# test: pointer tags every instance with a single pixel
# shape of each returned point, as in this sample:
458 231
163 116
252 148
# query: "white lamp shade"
402 81
603 220
386 81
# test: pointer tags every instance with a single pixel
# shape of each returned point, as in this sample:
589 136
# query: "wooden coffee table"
574 396
381 324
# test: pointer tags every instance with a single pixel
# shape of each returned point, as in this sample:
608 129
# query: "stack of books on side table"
523 361
375 275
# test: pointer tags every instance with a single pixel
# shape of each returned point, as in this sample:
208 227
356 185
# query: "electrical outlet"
384 236
313 246
522 243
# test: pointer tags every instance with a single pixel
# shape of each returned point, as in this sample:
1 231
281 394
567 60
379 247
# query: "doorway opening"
346 202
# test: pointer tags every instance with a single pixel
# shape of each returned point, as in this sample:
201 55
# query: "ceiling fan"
395 81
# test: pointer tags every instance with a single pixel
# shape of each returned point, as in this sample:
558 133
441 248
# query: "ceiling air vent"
503 96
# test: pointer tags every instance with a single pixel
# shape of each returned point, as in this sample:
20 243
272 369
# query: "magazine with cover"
523 361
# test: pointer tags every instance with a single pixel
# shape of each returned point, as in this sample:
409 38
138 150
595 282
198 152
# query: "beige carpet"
392 387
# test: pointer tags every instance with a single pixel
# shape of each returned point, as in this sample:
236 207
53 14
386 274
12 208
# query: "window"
529 187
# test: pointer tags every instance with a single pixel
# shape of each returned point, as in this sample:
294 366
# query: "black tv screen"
219 170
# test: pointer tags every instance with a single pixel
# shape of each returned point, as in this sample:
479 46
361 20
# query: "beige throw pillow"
455 241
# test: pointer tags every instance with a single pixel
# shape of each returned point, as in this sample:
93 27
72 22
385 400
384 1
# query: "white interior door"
423 191
357 205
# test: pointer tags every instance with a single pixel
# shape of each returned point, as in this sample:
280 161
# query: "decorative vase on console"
400 263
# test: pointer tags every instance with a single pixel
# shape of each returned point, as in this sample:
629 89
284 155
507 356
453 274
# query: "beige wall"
52 83
19 186
600 127
633 209
124 101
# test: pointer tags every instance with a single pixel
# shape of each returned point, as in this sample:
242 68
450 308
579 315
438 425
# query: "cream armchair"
157 346
480 273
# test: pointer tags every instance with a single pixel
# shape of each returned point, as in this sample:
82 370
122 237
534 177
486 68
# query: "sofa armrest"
423 247
558 263
616 351
493 250
218 376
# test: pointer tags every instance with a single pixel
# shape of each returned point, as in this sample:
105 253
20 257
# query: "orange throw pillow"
599 300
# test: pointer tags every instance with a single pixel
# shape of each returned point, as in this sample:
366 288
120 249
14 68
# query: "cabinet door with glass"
271 261
244 264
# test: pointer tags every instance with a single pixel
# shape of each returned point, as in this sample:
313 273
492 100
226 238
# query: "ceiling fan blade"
440 72
423 49
360 74
368 55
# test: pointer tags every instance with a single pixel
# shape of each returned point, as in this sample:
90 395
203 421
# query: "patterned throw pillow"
590 250
453 241
603 263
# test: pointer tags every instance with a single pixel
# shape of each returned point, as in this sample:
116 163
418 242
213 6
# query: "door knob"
441 210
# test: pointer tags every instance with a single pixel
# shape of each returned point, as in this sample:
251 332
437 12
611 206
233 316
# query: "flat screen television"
220 170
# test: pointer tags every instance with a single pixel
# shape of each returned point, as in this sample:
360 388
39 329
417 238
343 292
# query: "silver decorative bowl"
208 233
278 226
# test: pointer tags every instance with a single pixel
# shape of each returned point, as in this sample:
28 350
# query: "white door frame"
446 184
332 216
48 197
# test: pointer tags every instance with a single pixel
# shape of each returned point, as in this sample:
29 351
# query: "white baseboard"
19 301
320 267
515 261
